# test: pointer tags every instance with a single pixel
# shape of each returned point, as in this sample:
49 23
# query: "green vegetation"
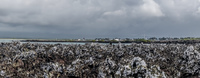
101 41
190 38
142 40
114 41
92 40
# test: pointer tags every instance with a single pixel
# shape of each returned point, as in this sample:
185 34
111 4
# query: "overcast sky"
99 18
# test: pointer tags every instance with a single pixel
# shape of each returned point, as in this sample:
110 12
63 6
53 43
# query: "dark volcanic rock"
99 61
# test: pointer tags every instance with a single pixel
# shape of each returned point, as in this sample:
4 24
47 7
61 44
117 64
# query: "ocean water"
9 40
81 43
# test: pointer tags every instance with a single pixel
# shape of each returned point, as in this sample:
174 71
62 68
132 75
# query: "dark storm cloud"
99 18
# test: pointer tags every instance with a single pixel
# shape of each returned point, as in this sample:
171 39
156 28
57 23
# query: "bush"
142 40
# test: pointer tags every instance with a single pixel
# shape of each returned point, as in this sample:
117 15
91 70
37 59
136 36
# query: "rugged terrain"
24 60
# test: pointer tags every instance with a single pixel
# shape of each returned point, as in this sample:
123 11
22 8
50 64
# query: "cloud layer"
99 18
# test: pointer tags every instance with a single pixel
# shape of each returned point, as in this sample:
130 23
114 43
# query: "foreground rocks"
99 61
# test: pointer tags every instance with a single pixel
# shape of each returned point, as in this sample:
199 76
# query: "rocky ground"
28 60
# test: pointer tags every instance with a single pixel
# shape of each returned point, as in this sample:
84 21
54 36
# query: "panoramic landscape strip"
99 39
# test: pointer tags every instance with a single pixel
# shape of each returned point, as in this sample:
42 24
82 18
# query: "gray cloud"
99 18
